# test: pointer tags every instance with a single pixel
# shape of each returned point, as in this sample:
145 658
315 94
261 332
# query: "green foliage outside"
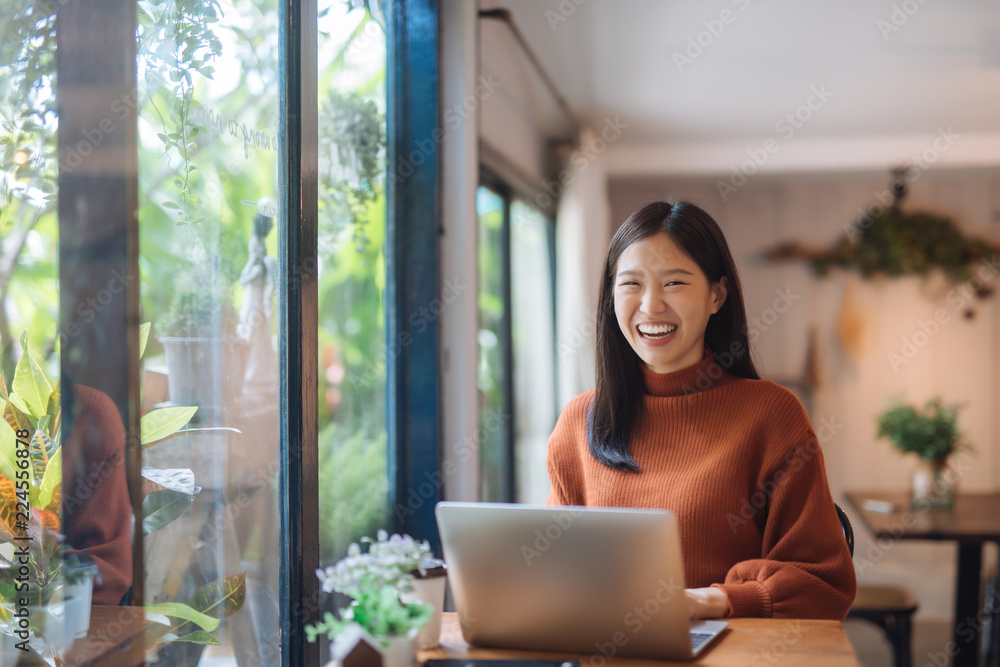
206 69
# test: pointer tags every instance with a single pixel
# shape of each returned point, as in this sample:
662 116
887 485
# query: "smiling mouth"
656 331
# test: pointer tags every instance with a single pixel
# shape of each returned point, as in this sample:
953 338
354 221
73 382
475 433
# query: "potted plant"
50 586
386 603
932 434
203 352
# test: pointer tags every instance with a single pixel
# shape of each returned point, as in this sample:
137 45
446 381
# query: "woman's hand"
706 603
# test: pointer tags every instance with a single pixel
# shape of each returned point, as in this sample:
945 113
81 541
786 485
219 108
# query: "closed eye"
675 282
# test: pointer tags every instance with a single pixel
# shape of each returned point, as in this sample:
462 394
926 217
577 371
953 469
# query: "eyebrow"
629 272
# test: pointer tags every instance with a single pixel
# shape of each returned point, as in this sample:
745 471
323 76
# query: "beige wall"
960 361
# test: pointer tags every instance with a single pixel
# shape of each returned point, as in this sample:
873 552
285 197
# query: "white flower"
390 560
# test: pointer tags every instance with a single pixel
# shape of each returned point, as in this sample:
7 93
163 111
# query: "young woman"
680 420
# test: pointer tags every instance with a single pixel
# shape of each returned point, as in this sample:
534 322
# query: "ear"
720 291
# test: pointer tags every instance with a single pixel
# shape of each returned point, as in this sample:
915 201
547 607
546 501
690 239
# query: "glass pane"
492 309
208 175
31 591
532 323
353 473
353 444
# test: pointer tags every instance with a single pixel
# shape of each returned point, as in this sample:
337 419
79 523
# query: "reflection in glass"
208 175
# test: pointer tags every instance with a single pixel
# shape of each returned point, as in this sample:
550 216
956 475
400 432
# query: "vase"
401 652
77 608
933 486
429 588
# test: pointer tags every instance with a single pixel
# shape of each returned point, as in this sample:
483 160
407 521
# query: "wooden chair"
889 607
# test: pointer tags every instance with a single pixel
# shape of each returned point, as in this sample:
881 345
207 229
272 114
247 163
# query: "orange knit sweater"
738 463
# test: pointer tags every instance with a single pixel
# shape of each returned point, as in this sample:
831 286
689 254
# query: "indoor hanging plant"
385 602
932 434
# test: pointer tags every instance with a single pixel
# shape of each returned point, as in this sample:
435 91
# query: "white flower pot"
76 616
399 653
429 590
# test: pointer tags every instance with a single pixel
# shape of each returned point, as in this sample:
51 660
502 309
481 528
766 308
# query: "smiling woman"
680 420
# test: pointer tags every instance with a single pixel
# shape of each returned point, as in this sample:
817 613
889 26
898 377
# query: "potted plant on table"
932 434
396 588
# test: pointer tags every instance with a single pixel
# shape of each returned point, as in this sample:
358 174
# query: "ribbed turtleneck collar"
700 377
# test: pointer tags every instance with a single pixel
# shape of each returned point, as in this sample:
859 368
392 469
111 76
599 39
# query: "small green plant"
374 581
197 314
931 433
379 611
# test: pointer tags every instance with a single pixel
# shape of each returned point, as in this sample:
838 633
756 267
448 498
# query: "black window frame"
490 179
96 58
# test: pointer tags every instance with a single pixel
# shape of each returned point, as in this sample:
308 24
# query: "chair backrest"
845 524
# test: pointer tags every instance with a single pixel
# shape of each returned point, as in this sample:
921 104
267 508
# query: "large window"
516 374
199 291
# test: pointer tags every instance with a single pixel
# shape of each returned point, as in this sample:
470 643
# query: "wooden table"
974 520
757 642
116 638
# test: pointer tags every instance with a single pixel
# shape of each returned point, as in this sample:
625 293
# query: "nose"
652 302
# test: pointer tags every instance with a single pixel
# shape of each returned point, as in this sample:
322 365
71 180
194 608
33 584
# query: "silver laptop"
596 581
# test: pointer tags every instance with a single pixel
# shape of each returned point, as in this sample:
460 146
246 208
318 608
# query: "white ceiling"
893 89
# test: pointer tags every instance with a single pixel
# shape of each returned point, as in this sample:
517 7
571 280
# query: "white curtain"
583 229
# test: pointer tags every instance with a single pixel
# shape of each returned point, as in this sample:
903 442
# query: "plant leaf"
30 383
3 388
180 480
221 598
8 451
8 508
17 419
51 480
54 410
199 637
143 337
40 449
182 610
164 422
159 508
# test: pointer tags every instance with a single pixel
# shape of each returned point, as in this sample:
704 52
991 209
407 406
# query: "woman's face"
663 302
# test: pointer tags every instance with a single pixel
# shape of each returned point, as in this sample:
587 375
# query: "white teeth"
653 329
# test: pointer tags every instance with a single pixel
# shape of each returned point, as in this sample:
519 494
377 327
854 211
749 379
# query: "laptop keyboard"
699 639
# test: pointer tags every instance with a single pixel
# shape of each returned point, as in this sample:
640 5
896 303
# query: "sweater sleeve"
563 458
805 569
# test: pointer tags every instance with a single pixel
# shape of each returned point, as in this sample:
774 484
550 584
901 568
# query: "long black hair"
616 408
